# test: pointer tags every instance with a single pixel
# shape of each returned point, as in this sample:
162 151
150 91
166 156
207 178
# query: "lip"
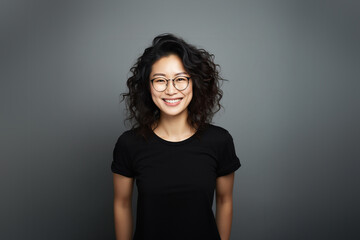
172 104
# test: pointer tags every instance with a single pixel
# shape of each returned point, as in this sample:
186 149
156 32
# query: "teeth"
172 101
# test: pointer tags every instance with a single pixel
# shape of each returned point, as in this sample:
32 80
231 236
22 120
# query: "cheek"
190 91
153 93
155 98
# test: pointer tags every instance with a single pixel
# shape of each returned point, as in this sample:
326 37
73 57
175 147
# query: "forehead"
168 66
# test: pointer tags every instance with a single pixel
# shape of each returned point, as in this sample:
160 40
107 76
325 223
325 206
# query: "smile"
172 102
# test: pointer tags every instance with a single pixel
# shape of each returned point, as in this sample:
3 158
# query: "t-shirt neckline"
187 140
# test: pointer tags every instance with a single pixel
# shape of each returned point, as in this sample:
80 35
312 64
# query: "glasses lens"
181 83
159 84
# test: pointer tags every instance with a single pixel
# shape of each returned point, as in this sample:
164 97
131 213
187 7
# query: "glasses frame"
167 83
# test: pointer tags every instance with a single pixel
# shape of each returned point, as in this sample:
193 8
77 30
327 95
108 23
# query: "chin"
173 113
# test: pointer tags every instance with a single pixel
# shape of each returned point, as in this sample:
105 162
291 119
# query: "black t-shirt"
176 181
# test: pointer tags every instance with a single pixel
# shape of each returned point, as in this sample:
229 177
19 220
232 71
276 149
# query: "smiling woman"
173 151
169 57
170 100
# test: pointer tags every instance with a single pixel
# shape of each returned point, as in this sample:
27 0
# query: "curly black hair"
142 111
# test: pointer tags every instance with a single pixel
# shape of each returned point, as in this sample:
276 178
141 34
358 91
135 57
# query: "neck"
174 127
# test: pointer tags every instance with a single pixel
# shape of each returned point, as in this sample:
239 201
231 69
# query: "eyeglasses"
180 83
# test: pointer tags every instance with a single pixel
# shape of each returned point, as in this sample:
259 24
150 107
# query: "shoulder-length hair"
142 111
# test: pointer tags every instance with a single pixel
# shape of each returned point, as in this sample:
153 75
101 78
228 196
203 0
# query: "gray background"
291 105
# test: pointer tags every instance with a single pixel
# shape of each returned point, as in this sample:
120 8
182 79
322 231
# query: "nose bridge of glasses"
172 84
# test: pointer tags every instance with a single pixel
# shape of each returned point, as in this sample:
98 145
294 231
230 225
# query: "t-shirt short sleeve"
122 163
228 161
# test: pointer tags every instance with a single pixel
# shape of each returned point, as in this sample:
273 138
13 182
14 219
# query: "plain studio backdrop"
291 105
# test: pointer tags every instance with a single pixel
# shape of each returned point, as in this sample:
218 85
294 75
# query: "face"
171 102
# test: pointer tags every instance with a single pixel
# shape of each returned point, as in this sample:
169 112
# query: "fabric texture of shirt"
175 181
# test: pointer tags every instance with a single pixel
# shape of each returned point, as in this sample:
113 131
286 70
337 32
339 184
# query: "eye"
159 80
181 79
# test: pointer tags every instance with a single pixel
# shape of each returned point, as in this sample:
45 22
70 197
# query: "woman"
173 151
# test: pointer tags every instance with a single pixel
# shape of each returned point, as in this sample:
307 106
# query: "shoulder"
214 135
129 137
128 133
217 131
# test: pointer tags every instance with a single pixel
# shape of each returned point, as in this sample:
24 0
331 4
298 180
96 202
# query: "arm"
224 204
123 187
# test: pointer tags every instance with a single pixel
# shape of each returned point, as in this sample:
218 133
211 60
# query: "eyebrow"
161 74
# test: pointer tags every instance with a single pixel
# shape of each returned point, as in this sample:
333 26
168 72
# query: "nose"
170 90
